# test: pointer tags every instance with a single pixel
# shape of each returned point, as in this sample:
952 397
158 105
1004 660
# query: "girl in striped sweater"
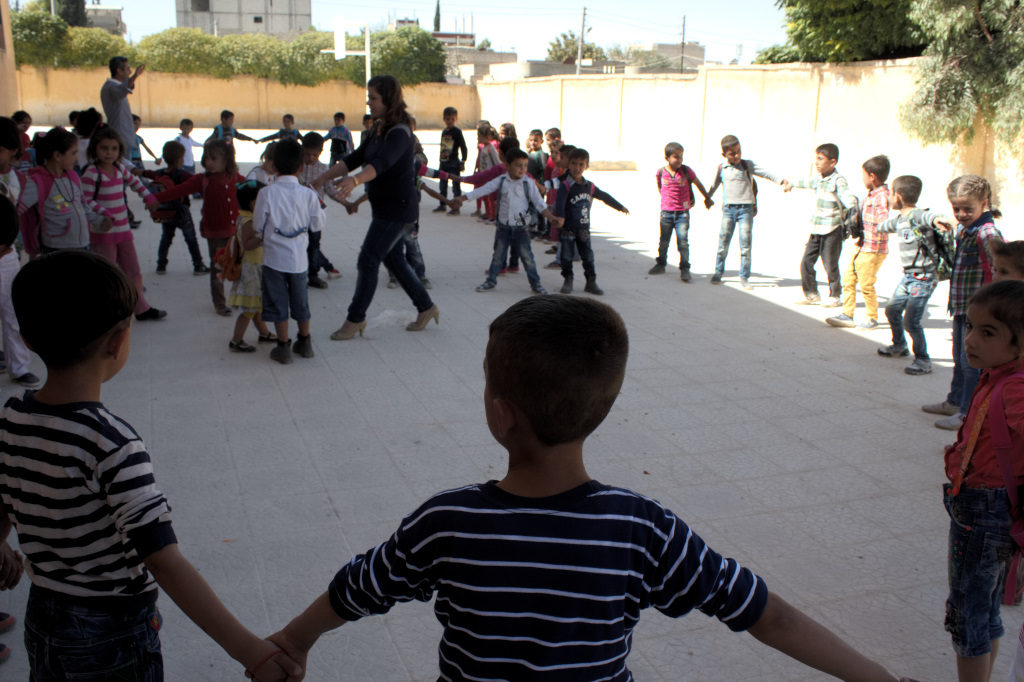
105 180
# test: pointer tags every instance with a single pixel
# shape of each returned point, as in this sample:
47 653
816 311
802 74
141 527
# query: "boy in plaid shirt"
872 247
832 193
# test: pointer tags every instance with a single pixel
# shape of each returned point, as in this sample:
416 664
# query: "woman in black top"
386 158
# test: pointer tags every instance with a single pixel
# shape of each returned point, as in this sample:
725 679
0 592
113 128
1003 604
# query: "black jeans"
315 257
453 168
828 247
582 240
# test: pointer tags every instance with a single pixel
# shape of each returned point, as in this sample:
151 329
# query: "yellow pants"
862 270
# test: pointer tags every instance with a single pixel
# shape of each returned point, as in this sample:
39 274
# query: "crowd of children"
66 190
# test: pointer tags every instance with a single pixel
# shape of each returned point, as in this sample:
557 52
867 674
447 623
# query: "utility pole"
579 46
682 51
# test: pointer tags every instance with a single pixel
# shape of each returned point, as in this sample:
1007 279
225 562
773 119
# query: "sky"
527 26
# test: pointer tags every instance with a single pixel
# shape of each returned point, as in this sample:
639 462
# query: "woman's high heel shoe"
348 330
423 319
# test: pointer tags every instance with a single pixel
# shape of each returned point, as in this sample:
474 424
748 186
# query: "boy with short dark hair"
225 130
872 247
287 131
284 215
739 205
675 185
175 174
516 197
453 157
573 203
367 125
313 168
341 139
1007 260
920 259
832 194
95 530
542 575
185 140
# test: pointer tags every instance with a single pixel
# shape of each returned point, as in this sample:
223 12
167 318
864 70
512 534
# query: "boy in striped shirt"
77 484
542 575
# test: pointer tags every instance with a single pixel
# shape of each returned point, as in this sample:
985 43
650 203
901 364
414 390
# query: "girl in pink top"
104 180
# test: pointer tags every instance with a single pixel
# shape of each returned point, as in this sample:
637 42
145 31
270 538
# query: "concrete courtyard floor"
786 444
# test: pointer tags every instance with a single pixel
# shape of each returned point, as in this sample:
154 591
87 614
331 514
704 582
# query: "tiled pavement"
786 443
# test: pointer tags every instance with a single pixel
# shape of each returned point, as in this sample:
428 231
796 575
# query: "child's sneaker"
894 351
918 367
950 423
439 209
198 270
716 279
486 286
842 320
513 270
538 289
333 273
6 621
591 287
809 299
151 314
392 283
831 302
746 285
868 324
685 275
554 265
566 286
161 269
945 407
426 283
658 269
317 283
551 250
454 211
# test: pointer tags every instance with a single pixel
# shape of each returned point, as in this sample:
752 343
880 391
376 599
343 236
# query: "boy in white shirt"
186 141
284 215
516 195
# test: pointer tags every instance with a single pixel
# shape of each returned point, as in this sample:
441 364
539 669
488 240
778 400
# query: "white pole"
579 46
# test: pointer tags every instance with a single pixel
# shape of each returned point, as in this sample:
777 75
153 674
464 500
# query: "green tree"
72 12
849 30
637 57
973 68
250 54
777 54
410 54
565 47
179 50
39 38
437 16
485 45
91 47
304 64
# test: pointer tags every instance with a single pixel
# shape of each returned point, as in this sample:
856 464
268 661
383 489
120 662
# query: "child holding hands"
96 531
515 564
675 184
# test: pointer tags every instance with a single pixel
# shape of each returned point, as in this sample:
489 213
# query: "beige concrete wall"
8 82
162 99
779 112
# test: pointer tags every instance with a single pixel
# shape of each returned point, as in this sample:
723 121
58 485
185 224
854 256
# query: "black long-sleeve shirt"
392 194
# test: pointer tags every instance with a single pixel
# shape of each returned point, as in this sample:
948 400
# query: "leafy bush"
179 50
92 47
252 54
39 38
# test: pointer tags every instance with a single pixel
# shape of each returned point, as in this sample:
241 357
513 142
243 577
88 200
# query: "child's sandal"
269 337
241 347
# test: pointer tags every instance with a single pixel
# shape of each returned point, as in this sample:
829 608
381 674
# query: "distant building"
535 68
107 17
281 18
666 58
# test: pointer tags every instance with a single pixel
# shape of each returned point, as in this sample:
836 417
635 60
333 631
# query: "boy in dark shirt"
453 156
542 576
575 197
180 217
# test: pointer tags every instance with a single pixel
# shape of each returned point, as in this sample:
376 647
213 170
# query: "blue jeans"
518 239
381 245
733 215
980 549
905 310
581 240
680 222
188 231
965 377
66 640
284 292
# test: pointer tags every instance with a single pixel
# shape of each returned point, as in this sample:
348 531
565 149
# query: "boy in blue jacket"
573 204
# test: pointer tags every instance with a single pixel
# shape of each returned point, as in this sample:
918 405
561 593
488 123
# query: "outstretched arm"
792 632
299 636
190 591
